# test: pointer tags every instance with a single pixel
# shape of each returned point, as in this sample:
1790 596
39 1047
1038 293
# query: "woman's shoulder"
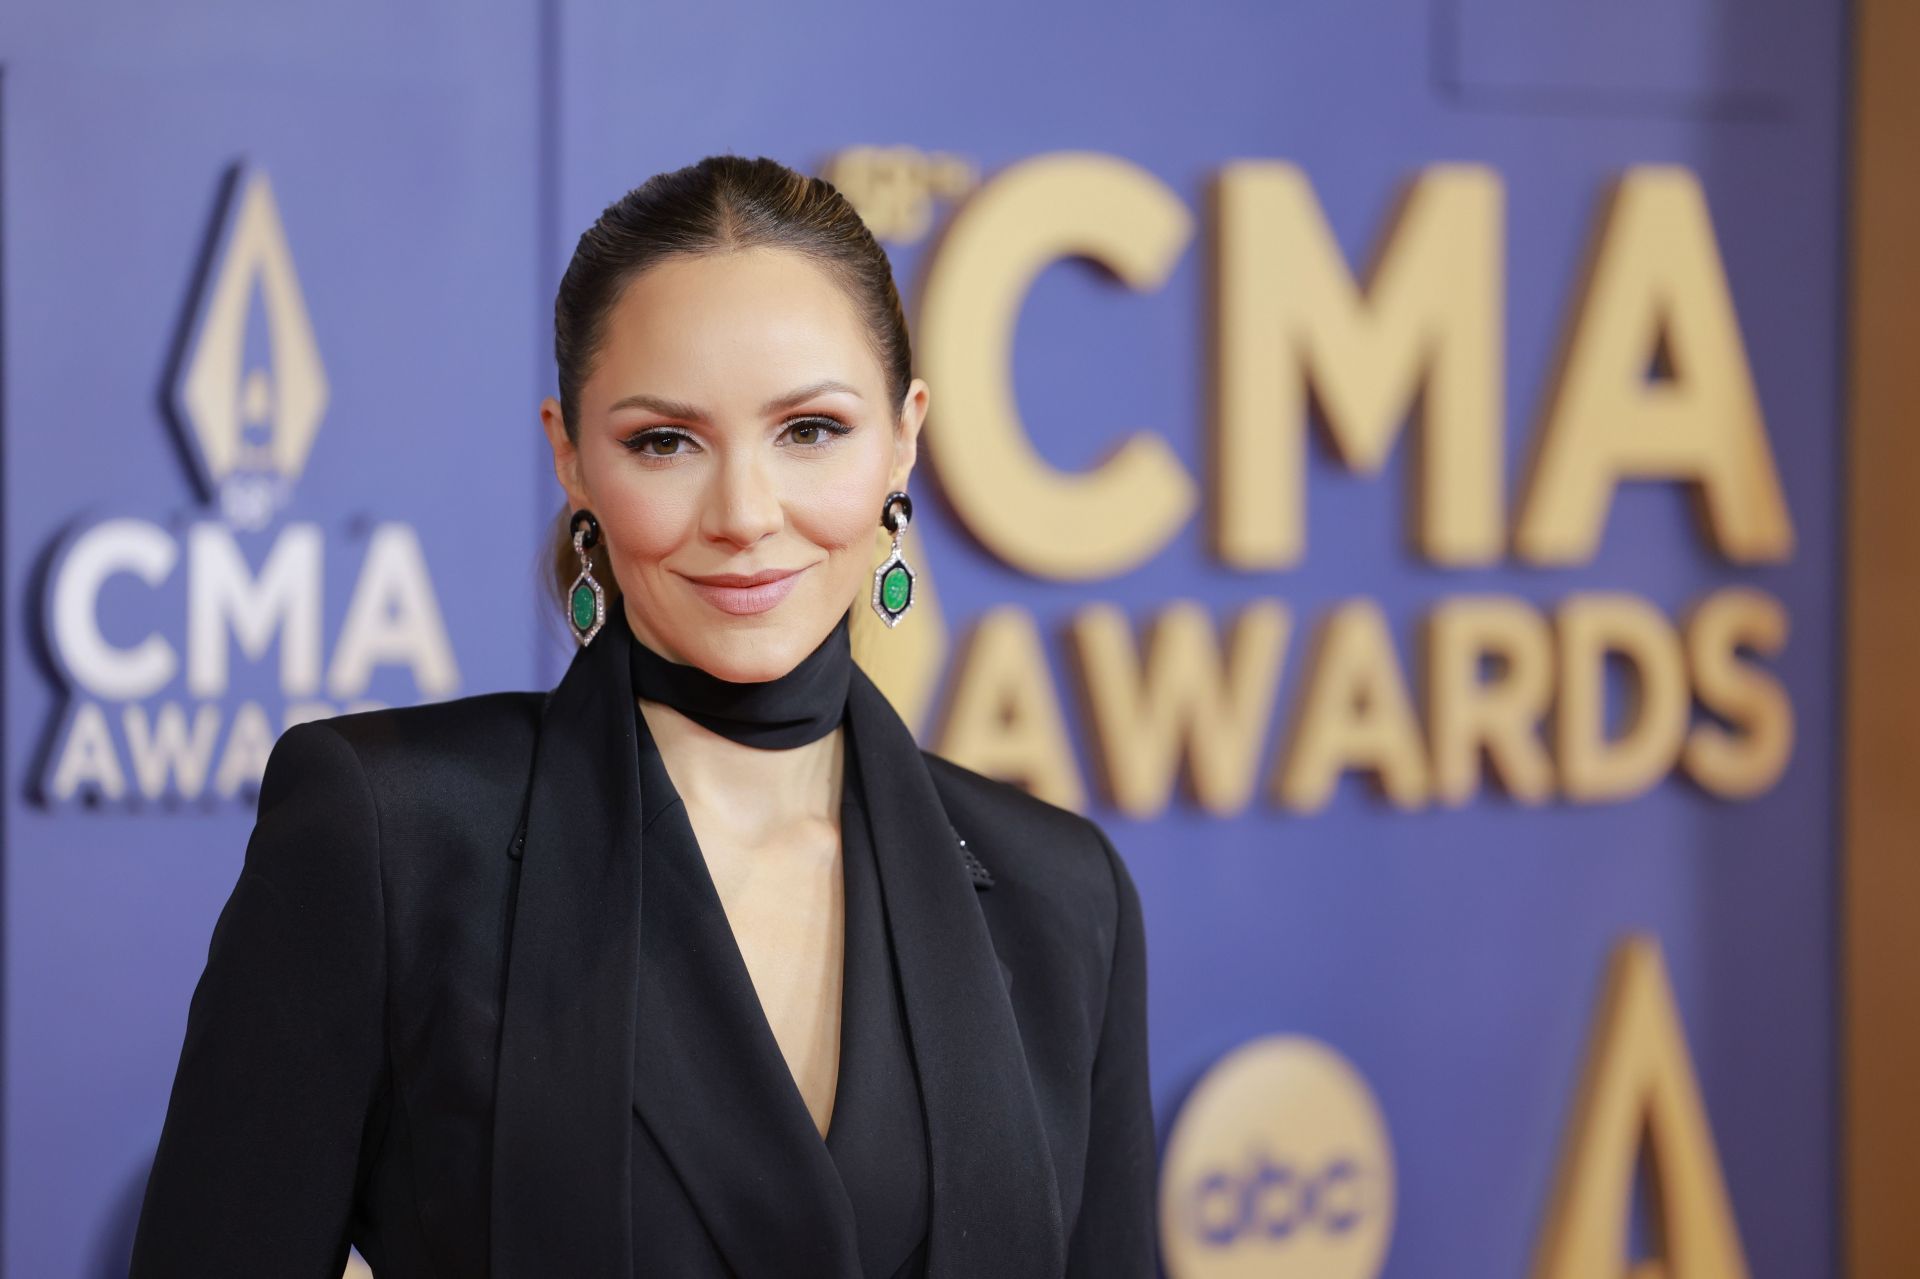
1021 837
461 729
1004 805
462 751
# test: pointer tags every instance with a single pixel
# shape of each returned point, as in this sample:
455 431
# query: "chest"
785 904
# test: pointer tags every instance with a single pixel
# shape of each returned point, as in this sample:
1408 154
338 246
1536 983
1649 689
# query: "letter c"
1043 521
115 546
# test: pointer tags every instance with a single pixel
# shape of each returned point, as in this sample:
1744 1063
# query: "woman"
695 965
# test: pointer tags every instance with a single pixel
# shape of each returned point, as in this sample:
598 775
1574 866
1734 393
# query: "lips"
746 593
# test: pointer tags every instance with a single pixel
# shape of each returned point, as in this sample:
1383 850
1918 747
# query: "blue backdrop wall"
391 193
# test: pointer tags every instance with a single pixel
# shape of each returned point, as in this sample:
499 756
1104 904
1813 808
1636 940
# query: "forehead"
740 320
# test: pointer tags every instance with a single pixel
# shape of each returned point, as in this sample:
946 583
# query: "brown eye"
656 443
821 431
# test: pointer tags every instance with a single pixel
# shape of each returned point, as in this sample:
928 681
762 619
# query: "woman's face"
734 423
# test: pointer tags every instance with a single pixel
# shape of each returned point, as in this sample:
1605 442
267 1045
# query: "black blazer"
415 1030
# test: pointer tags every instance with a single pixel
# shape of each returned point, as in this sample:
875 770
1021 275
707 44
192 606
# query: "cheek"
841 513
646 522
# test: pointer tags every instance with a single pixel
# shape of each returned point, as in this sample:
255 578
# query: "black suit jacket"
415 1030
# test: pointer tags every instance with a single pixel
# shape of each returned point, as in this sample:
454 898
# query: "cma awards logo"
1279 1166
188 646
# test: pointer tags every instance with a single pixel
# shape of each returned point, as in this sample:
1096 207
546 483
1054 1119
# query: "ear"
566 456
906 438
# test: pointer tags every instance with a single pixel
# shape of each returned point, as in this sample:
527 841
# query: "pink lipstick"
746 593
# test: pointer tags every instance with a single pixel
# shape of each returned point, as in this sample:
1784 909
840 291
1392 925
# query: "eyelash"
637 443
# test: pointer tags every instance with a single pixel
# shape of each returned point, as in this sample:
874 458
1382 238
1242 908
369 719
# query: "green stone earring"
586 602
893 580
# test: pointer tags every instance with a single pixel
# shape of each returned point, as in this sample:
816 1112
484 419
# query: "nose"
743 506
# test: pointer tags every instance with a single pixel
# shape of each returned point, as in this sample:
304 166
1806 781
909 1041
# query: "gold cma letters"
1036 518
1355 713
1656 285
1004 713
1183 697
1504 679
1467 711
1639 1083
1426 328
1653 383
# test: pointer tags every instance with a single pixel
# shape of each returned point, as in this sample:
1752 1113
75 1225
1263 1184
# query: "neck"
756 791
753 756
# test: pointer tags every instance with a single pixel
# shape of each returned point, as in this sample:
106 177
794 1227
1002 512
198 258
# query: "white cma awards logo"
184 660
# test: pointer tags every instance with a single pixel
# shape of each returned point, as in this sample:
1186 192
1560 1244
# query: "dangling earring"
893 580
586 602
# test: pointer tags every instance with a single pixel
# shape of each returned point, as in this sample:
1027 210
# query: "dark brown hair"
721 203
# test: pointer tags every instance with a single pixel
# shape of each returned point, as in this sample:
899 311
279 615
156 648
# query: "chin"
751 654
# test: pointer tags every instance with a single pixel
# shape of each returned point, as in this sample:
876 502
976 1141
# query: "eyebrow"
677 408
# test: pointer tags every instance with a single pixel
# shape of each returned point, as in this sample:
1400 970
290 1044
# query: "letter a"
1639 1080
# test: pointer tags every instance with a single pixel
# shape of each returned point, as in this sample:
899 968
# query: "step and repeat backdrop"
1383 465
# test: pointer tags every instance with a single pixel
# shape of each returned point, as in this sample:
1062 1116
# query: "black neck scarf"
801 706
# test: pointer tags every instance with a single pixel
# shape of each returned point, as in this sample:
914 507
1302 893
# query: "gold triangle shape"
1639 1084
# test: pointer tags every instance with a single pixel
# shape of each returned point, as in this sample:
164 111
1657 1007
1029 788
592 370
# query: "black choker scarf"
801 706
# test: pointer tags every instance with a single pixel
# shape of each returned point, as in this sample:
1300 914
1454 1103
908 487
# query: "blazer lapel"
563 1116
996 1206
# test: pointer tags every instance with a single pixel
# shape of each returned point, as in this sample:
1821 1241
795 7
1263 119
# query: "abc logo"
1278 1165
